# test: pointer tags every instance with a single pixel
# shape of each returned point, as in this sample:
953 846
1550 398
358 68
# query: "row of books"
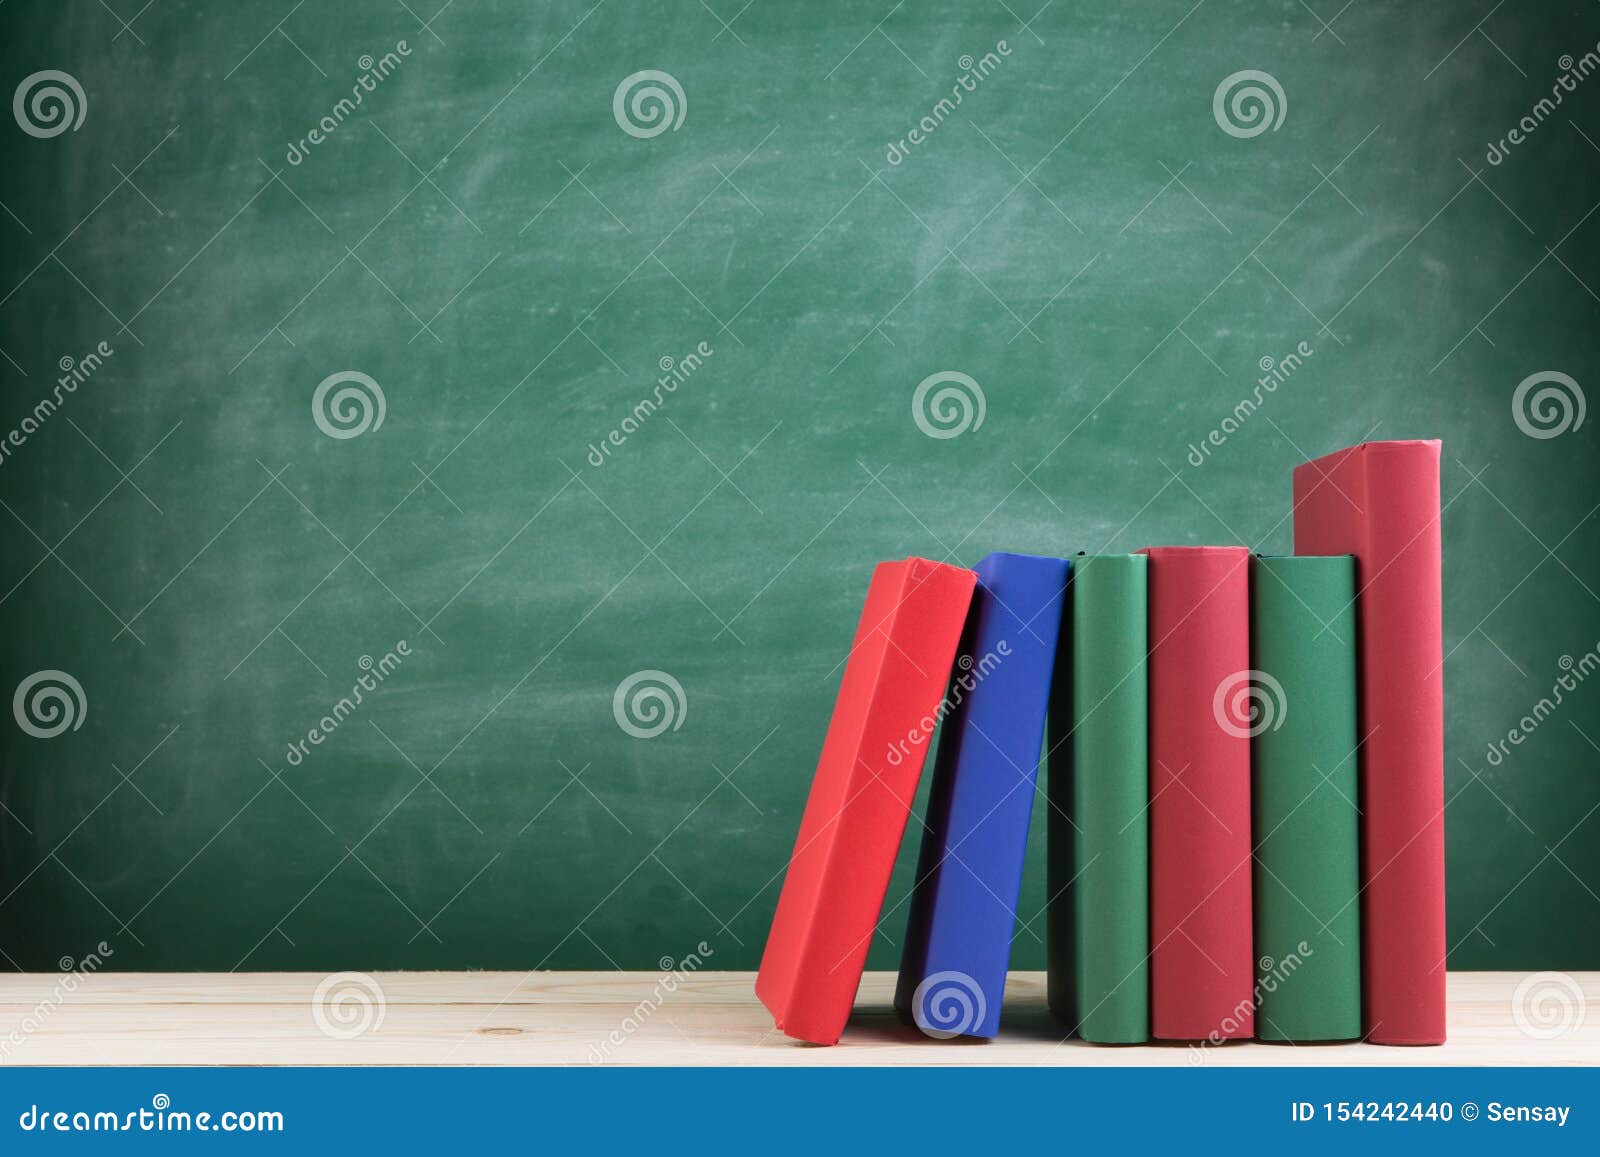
1244 761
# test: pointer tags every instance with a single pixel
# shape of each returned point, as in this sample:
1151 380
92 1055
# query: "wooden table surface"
632 1018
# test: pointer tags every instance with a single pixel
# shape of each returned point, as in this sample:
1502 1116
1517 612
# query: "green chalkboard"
445 446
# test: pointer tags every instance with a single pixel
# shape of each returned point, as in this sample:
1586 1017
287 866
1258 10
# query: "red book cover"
1202 967
861 795
1380 502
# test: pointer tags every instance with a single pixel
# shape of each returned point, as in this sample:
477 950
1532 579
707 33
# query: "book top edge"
1277 559
1431 446
1192 550
999 556
925 568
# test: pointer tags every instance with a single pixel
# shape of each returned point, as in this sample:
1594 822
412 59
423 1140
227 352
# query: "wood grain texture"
713 1018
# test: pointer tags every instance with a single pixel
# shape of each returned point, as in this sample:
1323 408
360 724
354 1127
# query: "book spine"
1380 502
1202 971
963 905
861 796
1060 838
1301 711
1105 841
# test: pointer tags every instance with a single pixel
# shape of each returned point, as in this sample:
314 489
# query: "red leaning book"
1202 968
861 795
1380 502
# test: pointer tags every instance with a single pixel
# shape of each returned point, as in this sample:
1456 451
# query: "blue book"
964 901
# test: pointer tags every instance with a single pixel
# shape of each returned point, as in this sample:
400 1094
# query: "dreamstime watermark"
160 1117
947 1004
973 73
74 973
350 410
648 103
673 374
373 73
1575 671
375 673
969 674
1573 72
1270 975
1547 1005
49 103
649 702
49 702
348 1004
1274 373
1547 404
1248 103
1248 703
74 373
948 404
673 974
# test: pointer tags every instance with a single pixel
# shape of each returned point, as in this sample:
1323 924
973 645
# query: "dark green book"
1099 924
1307 869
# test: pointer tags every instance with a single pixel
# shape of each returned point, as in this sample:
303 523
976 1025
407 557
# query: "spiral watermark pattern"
1550 411
1547 1005
348 1004
648 703
648 103
948 404
49 103
352 410
47 703
1248 703
1248 103
948 1004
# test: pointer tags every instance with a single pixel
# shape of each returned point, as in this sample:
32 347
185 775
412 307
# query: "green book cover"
1099 927
1302 716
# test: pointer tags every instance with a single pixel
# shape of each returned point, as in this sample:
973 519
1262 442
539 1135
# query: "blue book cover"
964 901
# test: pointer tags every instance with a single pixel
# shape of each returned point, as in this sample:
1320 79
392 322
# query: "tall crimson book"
1380 502
861 795
1202 968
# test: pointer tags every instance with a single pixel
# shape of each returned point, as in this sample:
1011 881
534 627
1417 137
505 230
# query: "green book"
1099 925
1303 755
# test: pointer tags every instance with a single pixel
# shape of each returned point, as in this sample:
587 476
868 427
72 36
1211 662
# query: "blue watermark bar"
822 1111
